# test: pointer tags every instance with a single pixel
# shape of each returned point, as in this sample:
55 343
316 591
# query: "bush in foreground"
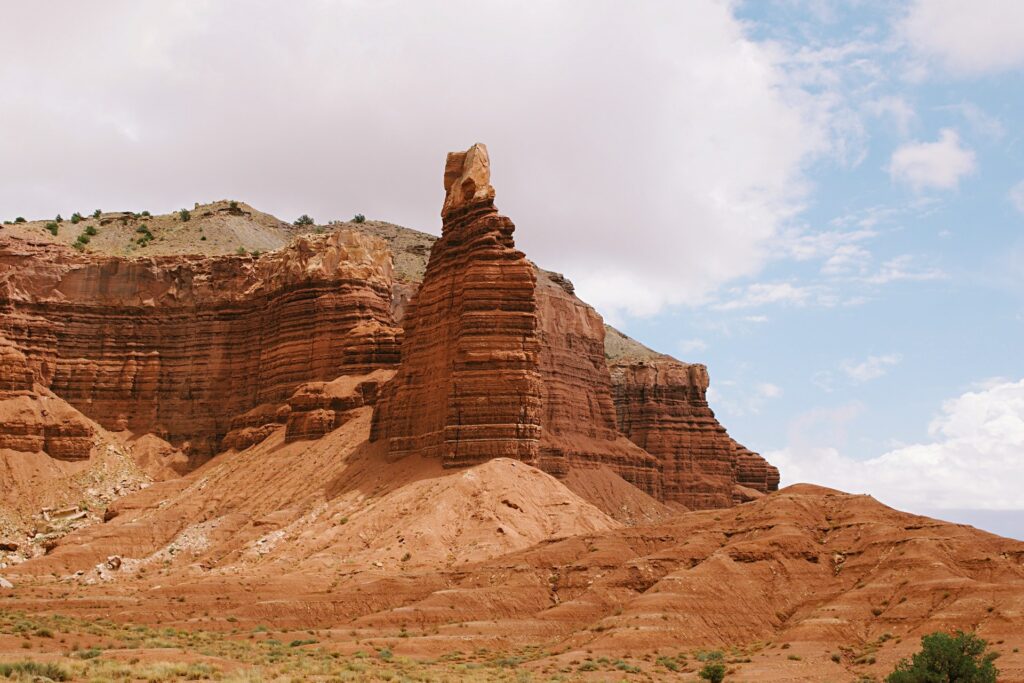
34 670
958 658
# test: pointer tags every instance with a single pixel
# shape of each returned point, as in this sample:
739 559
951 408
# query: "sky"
822 201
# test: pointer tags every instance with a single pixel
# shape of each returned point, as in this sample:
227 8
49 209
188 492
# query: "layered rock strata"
179 345
32 421
497 362
661 405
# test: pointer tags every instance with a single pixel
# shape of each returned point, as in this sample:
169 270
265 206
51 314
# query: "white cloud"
1016 196
691 345
737 400
967 38
940 164
652 154
973 459
895 108
903 267
847 259
764 293
871 367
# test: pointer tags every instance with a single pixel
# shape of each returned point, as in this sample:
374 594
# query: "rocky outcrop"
32 421
179 345
661 405
498 361
321 407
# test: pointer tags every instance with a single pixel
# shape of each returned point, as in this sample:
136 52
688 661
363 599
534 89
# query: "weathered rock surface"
179 345
33 421
498 362
661 405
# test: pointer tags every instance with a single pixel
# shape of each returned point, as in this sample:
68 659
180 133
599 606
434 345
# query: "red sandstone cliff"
179 345
662 406
498 362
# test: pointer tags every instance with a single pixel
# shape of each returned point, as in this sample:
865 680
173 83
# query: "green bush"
359 218
82 239
241 251
76 217
959 658
185 215
59 219
19 219
30 670
97 213
232 205
91 230
713 672
53 228
304 219
145 213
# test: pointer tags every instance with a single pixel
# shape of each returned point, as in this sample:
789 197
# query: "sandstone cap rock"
467 179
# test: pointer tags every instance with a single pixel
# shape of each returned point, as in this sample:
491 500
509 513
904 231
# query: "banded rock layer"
32 420
179 345
497 360
661 405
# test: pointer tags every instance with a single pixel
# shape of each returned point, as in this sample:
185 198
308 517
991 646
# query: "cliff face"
661 405
178 345
498 360
468 388
32 421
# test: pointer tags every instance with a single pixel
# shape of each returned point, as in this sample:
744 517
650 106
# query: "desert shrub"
58 219
959 658
19 219
91 230
359 218
76 217
241 251
233 205
53 228
97 213
185 215
304 219
145 213
713 672
31 670
82 239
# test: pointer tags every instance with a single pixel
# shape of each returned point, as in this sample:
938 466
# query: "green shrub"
232 205
59 219
76 217
53 228
185 215
959 658
91 230
145 213
713 672
97 213
241 251
19 219
359 218
30 670
82 239
304 219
